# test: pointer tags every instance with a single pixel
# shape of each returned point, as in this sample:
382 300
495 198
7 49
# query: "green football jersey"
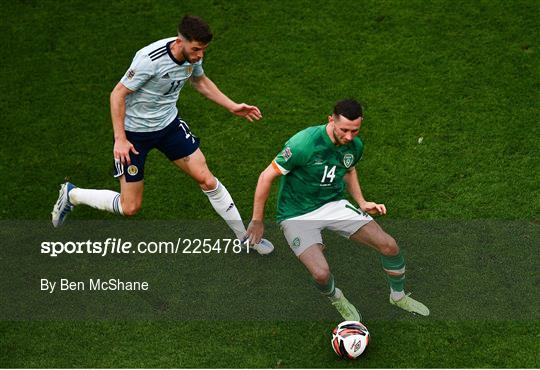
313 168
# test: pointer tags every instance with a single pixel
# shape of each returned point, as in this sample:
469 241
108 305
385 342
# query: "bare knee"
388 247
207 182
321 275
130 208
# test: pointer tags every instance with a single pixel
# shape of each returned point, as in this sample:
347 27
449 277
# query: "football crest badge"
286 153
348 160
132 170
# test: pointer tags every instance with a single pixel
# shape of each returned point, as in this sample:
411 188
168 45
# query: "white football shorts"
340 216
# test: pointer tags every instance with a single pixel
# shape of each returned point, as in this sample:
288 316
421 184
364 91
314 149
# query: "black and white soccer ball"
350 339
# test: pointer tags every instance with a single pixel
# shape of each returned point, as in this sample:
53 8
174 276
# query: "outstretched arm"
353 187
206 87
255 229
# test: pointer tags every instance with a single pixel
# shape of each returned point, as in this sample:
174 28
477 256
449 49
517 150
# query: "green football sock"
328 289
394 266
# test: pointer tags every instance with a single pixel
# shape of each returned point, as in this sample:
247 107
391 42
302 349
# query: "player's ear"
331 119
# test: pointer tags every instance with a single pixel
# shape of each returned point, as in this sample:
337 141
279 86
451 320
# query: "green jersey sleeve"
294 154
359 148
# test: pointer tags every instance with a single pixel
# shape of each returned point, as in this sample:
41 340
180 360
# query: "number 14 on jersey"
329 174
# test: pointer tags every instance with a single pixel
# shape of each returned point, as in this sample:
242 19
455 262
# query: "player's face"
343 129
192 51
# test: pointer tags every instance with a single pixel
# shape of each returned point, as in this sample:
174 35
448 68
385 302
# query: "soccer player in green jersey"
317 165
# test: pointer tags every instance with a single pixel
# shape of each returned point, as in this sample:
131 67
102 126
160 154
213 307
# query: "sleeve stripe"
280 170
157 51
157 56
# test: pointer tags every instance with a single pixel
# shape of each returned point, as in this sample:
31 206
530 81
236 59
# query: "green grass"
175 344
462 75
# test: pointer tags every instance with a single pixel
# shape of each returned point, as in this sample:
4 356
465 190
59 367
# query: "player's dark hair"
194 28
348 108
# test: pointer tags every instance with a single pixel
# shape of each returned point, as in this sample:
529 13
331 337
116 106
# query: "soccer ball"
350 339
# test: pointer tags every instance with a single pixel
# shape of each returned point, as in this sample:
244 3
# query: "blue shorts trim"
175 141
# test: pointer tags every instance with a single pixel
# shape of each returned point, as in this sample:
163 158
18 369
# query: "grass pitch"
451 95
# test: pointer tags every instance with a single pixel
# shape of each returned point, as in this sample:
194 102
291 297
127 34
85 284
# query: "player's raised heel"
411 305
63 206
347 310
263 247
